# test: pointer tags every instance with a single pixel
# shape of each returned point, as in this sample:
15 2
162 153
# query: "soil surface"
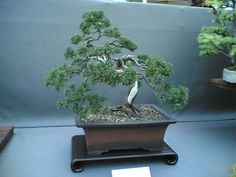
146 113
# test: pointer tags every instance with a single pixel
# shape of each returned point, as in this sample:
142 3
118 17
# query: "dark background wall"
34 35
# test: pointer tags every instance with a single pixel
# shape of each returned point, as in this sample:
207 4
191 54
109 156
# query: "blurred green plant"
221 38
233 171
96 56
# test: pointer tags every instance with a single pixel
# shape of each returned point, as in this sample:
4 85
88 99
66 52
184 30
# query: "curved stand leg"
77 166
171 159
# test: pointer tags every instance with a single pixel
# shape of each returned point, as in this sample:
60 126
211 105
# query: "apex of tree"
98 54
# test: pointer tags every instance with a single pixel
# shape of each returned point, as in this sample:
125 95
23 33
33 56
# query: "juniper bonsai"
96 56
220 38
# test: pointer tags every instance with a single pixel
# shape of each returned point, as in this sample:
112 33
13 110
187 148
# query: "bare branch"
221 50
79 69
113 42
88 42
225 54
98 58
133 59
146 80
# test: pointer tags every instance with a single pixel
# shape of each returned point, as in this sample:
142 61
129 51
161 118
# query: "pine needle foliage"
96 55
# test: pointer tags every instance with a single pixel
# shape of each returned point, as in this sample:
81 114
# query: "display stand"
80 156
6 133
222 84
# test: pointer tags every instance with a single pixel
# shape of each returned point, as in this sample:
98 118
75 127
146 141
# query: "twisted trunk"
128 104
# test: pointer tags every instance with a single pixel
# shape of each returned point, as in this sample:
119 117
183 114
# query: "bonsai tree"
97 56
220 38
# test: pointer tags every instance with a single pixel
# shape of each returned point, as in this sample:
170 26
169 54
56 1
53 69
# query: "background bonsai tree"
220 38
96 56
233 171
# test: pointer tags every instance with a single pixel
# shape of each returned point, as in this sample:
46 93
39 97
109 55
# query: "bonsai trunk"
128 106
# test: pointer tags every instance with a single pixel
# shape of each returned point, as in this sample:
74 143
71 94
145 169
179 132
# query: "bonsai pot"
229 75
105 137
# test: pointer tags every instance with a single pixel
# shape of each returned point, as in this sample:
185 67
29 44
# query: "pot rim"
230 71
168 120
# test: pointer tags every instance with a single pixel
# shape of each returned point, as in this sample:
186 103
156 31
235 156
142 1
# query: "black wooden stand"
79 154
222 84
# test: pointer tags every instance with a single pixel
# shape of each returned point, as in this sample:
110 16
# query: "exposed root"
129 110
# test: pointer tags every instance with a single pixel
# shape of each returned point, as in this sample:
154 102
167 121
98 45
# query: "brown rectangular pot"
101 138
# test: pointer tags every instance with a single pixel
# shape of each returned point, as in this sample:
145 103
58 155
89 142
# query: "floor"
205 148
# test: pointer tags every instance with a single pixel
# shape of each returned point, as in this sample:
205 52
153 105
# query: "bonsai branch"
220 49
146 80
89 41
79 69
224 53
132 59
114 42
125 58
98 58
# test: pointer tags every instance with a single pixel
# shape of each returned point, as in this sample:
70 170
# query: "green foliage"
69 53
156 72
129 76
233 171
220 38
76 39
105 50
177 97
210 44
102 72
158 67
95 20
94 55
128 44
233 51
143 58
112 32
106 73
81 100
56 77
